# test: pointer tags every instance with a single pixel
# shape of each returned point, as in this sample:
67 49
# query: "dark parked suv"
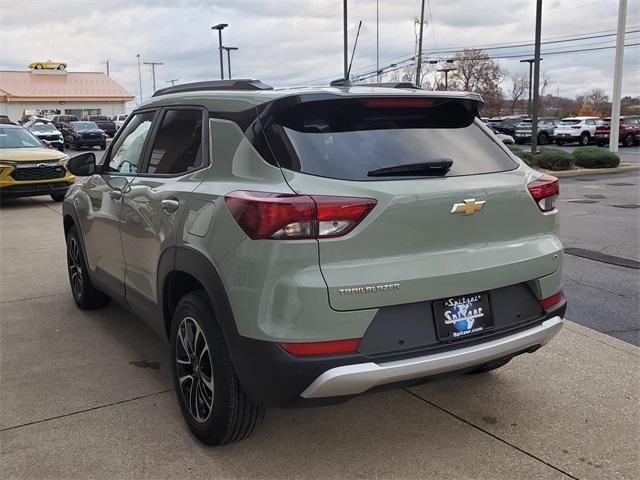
84 134
304 245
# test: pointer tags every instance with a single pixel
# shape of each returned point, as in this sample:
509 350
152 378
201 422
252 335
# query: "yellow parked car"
28 168
48 65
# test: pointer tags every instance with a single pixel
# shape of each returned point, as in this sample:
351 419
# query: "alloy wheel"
75 267
194 369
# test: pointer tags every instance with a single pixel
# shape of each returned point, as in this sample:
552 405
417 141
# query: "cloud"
285 42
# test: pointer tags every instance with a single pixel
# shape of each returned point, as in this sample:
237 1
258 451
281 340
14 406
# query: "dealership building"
59 92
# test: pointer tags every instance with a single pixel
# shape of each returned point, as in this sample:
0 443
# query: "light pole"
228 49
614 133
220 27
446 71
344 39
139 77
536 79
153 71
419 67
378 41
530 61
173 81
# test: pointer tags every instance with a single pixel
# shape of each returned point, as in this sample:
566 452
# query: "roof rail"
235 84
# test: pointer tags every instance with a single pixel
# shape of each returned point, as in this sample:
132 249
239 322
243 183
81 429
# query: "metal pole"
614 133
229 62
139 77
378 41
536 79
220 51
419 67
344 33
530 75
153 71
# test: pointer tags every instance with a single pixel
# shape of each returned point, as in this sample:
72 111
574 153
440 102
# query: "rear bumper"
358 378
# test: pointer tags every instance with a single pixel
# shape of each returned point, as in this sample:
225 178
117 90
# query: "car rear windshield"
570 122
347 139
17 138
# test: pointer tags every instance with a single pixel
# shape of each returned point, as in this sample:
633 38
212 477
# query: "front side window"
177 147
127 151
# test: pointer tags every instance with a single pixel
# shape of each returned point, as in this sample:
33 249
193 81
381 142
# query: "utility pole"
153 71
536 79
228 49
377 41
446 71
345 43
107 63
614 133
419 67
173 81
220 27
530 61
139 77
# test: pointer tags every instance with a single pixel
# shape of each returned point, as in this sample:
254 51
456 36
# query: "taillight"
281 216
545 191
549 302
322 348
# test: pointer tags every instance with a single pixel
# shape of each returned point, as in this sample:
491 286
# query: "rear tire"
57 197
559 142
217 411
487 367
627 140
86 296
543 139
584 139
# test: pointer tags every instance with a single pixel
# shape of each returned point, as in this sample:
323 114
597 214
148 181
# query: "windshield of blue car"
44 128
81 126
18 138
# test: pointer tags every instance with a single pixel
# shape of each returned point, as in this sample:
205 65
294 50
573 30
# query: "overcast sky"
293 42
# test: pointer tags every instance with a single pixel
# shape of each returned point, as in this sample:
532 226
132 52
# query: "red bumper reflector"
392 102
322 348
552 300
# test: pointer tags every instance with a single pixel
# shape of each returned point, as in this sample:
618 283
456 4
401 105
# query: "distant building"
56 92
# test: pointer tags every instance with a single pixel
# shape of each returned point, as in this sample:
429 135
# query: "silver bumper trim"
354 379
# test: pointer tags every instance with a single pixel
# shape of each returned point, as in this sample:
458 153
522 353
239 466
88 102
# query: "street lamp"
530 61
220 27
446 71
228 49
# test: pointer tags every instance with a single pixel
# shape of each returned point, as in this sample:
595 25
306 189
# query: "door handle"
116 194
170 205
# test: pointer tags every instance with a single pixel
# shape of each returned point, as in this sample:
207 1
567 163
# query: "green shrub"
595 157
554 159
524 155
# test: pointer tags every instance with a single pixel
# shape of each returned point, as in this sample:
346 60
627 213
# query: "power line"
493 46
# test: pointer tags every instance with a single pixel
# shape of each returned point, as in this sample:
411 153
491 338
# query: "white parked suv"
576 129
119 120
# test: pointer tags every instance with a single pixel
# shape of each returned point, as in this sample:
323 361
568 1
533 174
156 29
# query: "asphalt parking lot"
89 394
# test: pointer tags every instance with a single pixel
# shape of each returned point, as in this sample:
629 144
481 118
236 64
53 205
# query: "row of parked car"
583 130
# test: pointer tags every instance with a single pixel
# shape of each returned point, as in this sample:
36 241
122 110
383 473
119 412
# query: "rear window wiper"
439 166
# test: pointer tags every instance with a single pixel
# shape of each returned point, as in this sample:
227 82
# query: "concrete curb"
578 172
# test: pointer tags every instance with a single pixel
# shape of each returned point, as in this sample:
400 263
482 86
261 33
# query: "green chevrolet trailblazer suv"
304 245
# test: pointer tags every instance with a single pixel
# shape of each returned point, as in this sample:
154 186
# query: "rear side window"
347 139
177 147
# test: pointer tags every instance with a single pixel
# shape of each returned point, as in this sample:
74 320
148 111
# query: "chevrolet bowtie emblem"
468 207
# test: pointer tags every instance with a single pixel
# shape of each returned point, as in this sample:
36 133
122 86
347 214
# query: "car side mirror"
83 165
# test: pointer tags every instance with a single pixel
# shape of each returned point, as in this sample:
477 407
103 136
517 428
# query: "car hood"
88 131
30 154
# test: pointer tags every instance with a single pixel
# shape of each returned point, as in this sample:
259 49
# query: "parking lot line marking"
473 425
32 298
97 407
602 257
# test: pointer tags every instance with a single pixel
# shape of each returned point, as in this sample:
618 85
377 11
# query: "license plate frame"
462 316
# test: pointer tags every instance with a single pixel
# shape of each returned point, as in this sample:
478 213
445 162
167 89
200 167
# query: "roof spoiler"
236 84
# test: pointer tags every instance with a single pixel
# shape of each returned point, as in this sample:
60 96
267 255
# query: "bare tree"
520 84
546 82
476 72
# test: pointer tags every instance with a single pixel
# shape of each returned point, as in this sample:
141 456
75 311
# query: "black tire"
543 139
76 146
585 138
230 416
559 142
103 146
601 144
628 140
61 148
86 296
487 367
57 197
